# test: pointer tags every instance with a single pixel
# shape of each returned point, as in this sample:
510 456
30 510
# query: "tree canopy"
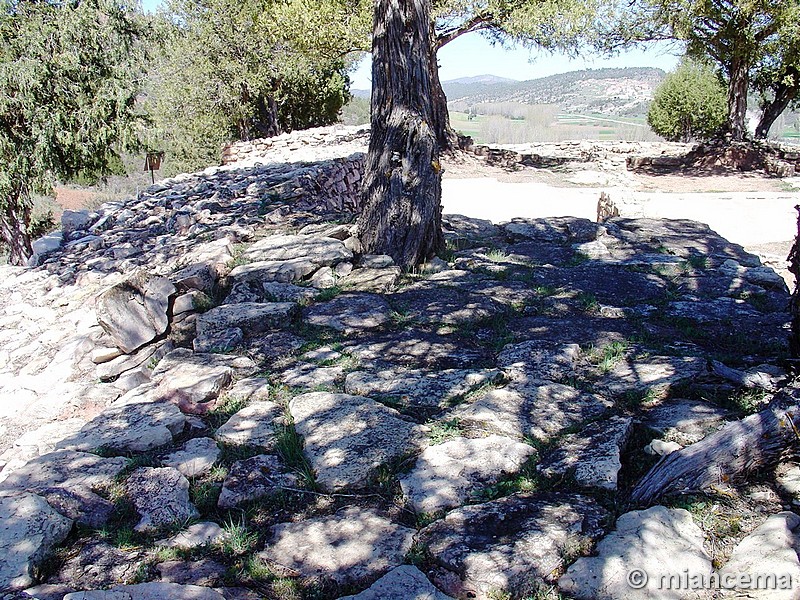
739 35
243 69
690 104
70 74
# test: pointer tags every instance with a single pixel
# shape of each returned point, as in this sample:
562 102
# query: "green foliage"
690 104
70 74
245 69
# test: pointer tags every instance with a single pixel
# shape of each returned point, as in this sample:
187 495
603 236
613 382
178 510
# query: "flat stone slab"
406 582
138 424
254 425
368 279
787 476
769 552
64 468
417 387
161 497
307 375
348 547
155 590
445 475
540 409
444 306
348 437
655 371
134 312
539 359
275 271
29 530
194 458
418 349
685 421
192 381
254 478
93 564
195 536
250 389
350 313
656 542
500 545
286 292
320 250
592 456
251 317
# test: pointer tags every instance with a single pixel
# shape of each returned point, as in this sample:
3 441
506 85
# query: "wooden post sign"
152 162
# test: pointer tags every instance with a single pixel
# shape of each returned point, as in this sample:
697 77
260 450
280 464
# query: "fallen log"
737 450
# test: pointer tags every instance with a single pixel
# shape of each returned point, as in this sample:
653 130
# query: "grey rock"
322 251
685 421
445 306
401 583
94 564
376 261
218 341
509 543
658 541
45 245
160 496
307 375
286 292
201 276
134 312
539 359
29 530
201 534
418 350
254 425
371 280
205 573
348 547
350 313
417 387
74 220
192 380
770 550
323 278
104 354
128 362
445 475
787 476
661 448
129 426
254 478
79 504
280 271
194 458
149 591
592 455
190 301
658 372
45 438
250 317
250 389
539 409
347 437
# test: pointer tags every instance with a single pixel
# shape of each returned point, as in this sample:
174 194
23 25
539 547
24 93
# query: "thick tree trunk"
15 218
738 87
794 302
784 95
402 213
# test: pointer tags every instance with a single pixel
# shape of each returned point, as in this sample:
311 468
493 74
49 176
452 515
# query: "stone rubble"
218 332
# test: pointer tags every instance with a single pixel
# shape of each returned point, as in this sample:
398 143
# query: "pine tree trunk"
402 213
738 87
445 135
15 218
784 95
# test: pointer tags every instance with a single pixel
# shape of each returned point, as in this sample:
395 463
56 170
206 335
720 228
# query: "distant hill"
623 92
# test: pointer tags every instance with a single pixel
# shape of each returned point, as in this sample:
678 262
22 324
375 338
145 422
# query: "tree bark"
401 197
15 218
727 456
794 302
446 136
784 95
738 87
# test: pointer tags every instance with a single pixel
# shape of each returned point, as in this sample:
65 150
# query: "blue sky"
471 55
